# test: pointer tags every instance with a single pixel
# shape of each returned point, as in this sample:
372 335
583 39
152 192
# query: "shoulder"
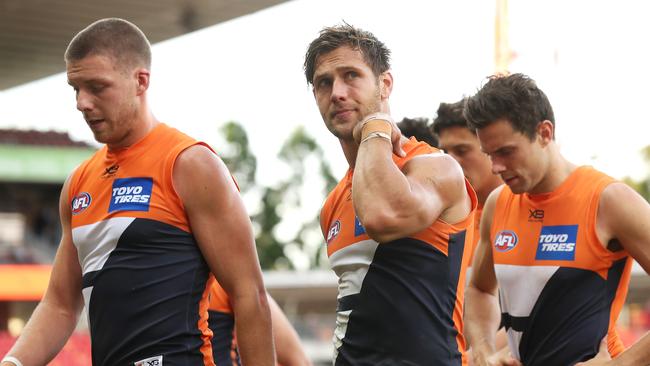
438 169
198 167
616 195
491 201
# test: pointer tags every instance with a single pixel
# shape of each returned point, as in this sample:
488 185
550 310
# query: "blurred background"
230 72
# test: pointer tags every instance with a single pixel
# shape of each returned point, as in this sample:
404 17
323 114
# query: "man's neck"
142 127
557 172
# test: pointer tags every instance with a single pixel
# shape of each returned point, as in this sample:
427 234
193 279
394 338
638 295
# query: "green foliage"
240 160
299 149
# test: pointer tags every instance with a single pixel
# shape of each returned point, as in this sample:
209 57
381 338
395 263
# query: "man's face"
463 145
106 96
346 90
519 161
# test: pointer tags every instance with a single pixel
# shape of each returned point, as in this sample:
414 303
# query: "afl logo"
334 231
80 202
505 240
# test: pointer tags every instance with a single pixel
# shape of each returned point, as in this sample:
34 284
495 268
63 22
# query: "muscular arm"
624 215
287 343
482 313
225 237
393 203
56 316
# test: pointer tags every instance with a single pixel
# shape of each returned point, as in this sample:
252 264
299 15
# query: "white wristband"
13 360
378 115
376 134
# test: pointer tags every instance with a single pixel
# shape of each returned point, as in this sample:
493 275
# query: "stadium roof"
34 33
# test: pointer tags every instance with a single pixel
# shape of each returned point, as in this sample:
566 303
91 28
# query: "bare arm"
624 215
287 343
224 234
56 316
393 203
482 312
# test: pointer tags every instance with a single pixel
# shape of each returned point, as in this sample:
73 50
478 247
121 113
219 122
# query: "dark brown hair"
513 97
374 52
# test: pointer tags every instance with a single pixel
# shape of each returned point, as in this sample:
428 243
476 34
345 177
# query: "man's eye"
323 83
97 88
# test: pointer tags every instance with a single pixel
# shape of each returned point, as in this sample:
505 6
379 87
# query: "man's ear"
142 77
546 132
385 84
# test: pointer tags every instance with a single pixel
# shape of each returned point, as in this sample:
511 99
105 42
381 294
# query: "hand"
502 357
395 135
602 357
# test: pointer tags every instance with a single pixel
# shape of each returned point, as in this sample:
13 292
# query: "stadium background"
33 165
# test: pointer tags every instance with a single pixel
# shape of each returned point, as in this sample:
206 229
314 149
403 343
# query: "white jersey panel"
95 242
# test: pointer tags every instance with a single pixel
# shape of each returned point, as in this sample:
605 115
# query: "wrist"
10 361
376 125
482 350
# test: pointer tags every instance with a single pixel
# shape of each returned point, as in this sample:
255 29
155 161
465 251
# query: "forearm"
378 182
45 334
482 318
381 193
288 348
253 327
294 359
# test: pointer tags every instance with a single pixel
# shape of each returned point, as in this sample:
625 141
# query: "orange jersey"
561 290
222 324
145 281
399 302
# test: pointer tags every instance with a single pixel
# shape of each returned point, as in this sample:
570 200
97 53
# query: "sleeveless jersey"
222 324
560 289
400 302
145 281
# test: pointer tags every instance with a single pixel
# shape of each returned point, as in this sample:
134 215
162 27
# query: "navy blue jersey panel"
223 349
145 299
570 318
403 314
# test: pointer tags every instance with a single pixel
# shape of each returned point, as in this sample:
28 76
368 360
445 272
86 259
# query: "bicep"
217 216
625 215
437 188
483 275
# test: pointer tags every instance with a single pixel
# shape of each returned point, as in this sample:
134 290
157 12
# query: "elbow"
381 227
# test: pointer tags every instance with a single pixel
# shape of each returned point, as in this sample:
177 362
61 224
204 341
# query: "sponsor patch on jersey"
358 227
131 194
151 361
334 231
557 243
505 241
81 202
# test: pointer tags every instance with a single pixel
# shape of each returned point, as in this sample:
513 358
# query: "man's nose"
497 166
339 89
84 102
